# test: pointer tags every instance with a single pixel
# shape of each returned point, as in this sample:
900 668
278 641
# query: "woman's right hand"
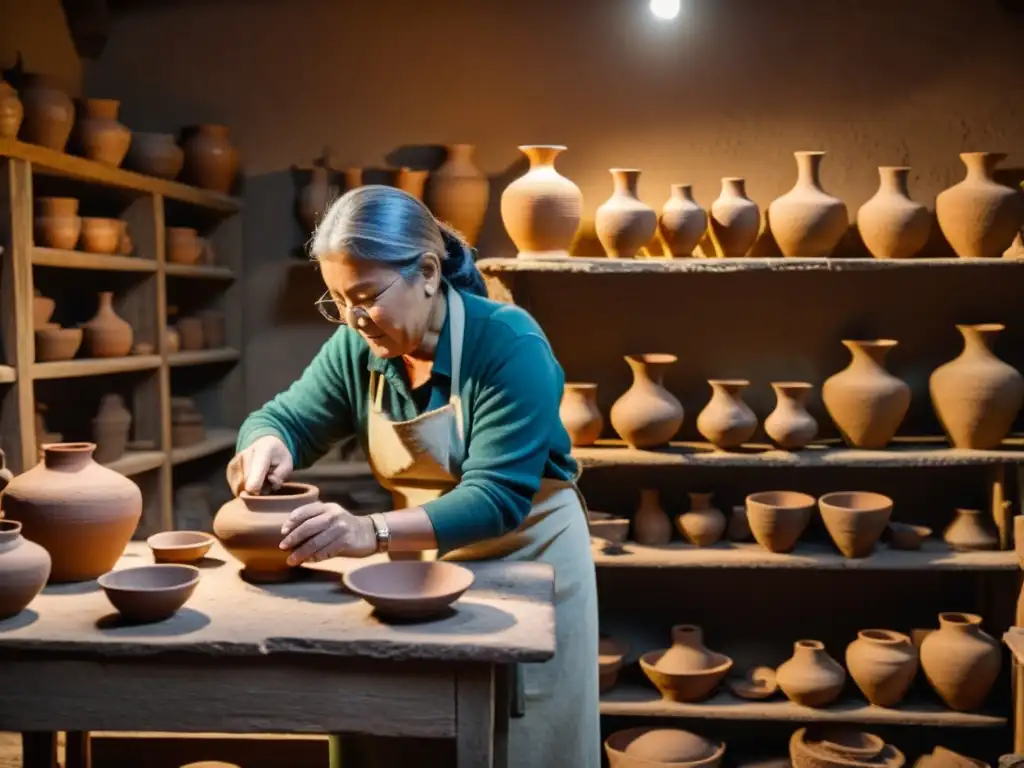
266 461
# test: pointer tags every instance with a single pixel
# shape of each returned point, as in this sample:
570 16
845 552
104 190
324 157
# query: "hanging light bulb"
666 10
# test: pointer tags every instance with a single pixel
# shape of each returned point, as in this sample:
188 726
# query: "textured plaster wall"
38 30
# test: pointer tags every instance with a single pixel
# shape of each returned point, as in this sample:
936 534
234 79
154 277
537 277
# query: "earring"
429 289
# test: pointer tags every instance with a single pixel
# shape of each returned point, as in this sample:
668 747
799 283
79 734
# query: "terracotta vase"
101 235
57 223
184 246
190 333
839 746
778 518
980 217
866 402
98 134
651 526
961 661
735 219
702 525
11 111
214 327
110 428
682 222
211 162
412 181
107 335
315 197
541 209
976 395
49 113
790 426
739 526
687 652
458 192
647 415
80 512
806 221
250 529
42 309
726 421
811 677
883 664
24 569
968 532
892 225
855 520
624 224
579 413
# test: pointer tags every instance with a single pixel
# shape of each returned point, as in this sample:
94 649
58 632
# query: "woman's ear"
430 267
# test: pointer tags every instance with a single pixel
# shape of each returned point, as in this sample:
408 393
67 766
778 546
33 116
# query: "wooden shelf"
203 357
218 439
8 375
53 257
94 366
1014 639
137 462
204 271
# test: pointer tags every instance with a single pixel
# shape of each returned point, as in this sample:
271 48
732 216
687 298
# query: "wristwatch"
381 531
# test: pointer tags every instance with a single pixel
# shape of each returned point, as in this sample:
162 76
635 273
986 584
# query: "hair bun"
459 263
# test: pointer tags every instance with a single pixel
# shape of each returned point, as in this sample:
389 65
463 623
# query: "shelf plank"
203 357
94 366
1014 639
8 375
203 271
54 257
334 470
51 162
217 439
137 462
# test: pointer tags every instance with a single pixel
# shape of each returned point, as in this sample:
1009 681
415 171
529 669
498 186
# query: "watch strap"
382 532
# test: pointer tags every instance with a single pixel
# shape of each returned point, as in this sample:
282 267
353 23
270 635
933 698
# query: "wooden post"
1002 510
1017 670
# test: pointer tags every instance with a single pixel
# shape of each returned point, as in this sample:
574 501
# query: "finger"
236 475
300 515
258 466
322 541
278 475
305 531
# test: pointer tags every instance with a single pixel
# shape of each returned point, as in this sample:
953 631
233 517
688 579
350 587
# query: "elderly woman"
455 399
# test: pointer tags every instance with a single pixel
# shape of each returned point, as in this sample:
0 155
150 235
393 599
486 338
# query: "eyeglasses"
339 313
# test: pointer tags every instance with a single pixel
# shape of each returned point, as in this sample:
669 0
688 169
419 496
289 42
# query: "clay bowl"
687 686
55 343
855 520
815 747
756 684
101 235
150 592
906 536
409 589
180 546
648 747
610 529
777 519
610 653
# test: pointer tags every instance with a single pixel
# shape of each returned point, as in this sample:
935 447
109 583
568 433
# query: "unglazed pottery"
579 413
961 661
211 161
624 224
172 340
702 525
976 395
98 134
11 111
180 546
806 221
156 154
541 209
82 513
757 684
49 113
735 219
315 197
739 526
941 757
101 235
108 335
412 181
682 222
837 746
57 223
611 529
214 324
54 343
409 589
778 518
458 192
892 225
150 592
811 677
855 520
353 178
726 421
790 426
865 401
883 664
24 569
647 415
979 216
907 537
646 747
42 309
183 245
968 532
190 331
687 652
687 671
610 653
651 526
110 428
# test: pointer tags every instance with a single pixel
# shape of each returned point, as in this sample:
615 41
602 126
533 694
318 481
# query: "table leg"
39 749
77 750
475 731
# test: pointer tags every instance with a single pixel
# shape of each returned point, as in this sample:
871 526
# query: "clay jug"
682 222
968 532
892 225
976 395
24 569
11 111
807 222
458 192
156 154
579 413
315 197
107 335
651 526
80 512
647 415
702 525
811 677
624 224
110 428
541 209
790 426
735 219
961 661
250 529
211 161
883 664
687 652
978 216
866 402
57 223
49 113
726 421
98 134
412 181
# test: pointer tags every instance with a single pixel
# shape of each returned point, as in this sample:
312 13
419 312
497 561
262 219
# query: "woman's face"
390 311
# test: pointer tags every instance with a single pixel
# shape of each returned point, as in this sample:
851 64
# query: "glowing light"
665 9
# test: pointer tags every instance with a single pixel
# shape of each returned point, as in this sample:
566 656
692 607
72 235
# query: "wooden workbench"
301 657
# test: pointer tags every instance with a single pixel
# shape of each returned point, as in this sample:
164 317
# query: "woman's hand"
267 460
321 530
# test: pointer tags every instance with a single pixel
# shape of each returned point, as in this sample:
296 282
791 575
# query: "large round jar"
210 159
24 568
541 209
49 113
156 154
883 664
99 135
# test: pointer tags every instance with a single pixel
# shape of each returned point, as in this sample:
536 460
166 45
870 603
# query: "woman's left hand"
321 530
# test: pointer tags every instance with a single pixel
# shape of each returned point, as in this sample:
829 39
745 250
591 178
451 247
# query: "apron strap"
376 390
457 329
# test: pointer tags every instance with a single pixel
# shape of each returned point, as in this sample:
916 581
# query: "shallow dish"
180 546
688 686
150 592
409 589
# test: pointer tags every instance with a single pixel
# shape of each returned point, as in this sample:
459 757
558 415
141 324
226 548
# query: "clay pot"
409 589
687 652
183 245
214 327
624 224
190 331
187 430
703 525
790 426
883 664
946 758
892 225
42 309
458 192
610 653
57 224
682 222
651 526
647 415
54 343
82 513
250 529
855 520
960 660
150 592
907 537
172 340
739 527
757 684
865 401
687 671
107 335
735 219
647 747
778 518
49 113
180 546
541 209
726 421
978 216
412 181
125 246
315 197
968 533
976 395
110 428
11 111
98 134
609 528
101 235
579 413
24 569
806 221
833 746
211 162
156 154
811 677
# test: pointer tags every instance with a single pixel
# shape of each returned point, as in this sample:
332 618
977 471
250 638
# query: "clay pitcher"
702 525
651 526
11 111
790 426
687 653
156 154
99 135
968 532
976 395
866 402
892 225
541 209
979 216
24 569
458 192
412 181
211 161
49 113
110 428
579 413
726 421
682 222
623 223
735 219
883 664
647 415
811 677
961 661
807 222
107 335
57 223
